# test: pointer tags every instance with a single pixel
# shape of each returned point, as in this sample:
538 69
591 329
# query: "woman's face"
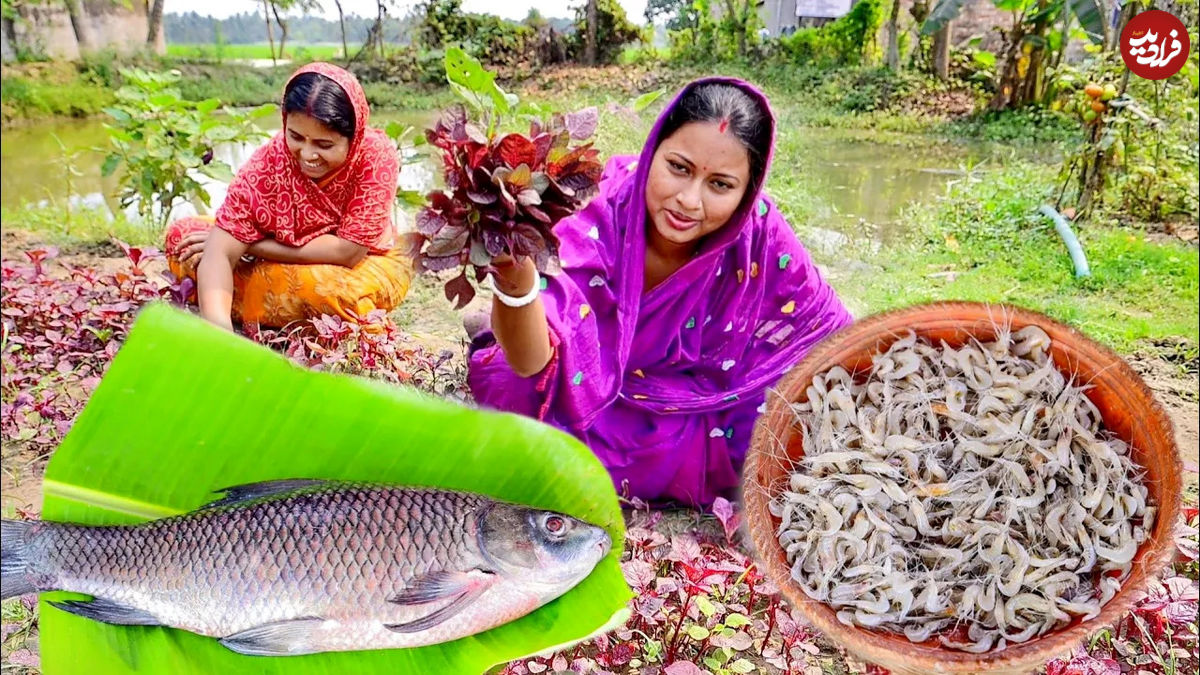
698 177
317 149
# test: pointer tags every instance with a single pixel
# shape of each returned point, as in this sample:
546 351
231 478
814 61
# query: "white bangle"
524 299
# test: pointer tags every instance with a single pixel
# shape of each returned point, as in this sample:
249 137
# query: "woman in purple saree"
683 296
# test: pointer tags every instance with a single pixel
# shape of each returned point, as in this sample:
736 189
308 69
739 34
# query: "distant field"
213 52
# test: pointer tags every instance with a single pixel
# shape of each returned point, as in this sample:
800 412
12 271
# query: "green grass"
30 99
996 249
81 228
233 84
213 52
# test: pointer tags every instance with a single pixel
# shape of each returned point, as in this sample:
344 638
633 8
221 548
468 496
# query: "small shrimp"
906 364
1120 555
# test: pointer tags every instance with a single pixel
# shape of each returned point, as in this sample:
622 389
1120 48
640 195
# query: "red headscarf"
271 198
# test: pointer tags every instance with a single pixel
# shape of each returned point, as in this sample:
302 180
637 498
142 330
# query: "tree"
270 31
154 20
675 14
1022 76
613 31
535 20
592 21
941 51
79 24
280 8
740 20
893 37
283 27
342 25
10 22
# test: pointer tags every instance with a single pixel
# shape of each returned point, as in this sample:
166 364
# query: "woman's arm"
214 277
522 332
327 248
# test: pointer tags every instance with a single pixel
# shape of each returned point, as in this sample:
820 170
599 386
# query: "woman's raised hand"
512 277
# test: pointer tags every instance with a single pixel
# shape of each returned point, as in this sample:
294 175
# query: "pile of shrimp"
969 494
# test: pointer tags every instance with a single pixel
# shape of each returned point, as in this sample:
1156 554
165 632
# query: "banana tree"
1030 42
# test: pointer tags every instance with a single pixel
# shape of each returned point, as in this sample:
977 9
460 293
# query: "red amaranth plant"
371 346
62 325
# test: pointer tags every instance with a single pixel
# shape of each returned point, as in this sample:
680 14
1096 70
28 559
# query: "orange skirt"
275 294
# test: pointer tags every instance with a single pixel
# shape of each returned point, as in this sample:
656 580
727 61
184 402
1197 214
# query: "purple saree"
665 386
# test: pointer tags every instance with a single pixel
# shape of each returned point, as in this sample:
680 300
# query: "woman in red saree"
306 228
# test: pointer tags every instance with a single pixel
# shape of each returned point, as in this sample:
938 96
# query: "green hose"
1068 236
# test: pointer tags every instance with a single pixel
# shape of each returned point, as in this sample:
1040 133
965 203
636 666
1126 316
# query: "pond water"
859 187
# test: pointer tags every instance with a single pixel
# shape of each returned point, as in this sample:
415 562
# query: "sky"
509 9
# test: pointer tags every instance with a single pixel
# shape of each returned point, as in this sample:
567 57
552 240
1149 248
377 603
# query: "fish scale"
344 554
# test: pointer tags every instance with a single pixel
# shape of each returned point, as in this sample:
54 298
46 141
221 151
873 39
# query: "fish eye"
555 525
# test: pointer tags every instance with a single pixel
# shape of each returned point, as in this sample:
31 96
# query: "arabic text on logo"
1155 45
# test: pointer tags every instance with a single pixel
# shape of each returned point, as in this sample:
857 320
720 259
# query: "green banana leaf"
187 408
943 12
1091 18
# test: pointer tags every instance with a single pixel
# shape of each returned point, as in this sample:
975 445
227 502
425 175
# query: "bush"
235 85
489 38
850 40
613 32
166 141
29 98
876 89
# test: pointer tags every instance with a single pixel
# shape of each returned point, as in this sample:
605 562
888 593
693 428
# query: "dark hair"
721 102
321 98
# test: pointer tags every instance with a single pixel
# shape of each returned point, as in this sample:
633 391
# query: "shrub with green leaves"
166 142
847 41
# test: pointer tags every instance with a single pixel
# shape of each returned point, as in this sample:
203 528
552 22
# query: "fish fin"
237 494
464 587
279 638
434 618
439 586
99 609
14 559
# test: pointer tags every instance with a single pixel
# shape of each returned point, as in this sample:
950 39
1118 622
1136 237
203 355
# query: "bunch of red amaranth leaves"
504 192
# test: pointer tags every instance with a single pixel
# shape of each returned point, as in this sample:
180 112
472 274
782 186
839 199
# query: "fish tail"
14 559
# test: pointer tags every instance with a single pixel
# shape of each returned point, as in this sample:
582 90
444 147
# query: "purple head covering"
664 386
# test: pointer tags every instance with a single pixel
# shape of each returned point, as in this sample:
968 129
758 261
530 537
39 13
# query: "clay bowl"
1127 406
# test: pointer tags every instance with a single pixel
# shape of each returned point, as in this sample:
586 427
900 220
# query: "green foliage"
1140 158
164 140
1027 126
732 37
849 40
1037 39
614 30
235 85
31 98
477 86
871 89
1088 13
493 40
246 30
79 227
987 243
221 51
674 14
